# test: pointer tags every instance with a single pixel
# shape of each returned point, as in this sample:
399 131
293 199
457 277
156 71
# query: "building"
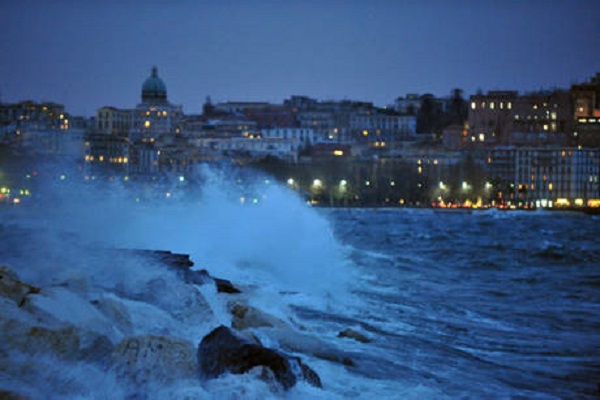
131 141
387 126
155 116
114 121
240 107
302 137
531 119
541 118
545 175
586 116
28 115
248 148
106 153
42 128
491 117
408 105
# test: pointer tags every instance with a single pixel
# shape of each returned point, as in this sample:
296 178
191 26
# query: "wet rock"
8 395
145 359
352 334
202 277
298 342
335 358
245 317
11 287
116 312
99 351
225 286
63 343
223 351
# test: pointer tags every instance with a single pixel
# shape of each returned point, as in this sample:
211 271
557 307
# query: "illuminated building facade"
155 116
31 116
507 118
114 121
383 126
546 175
586 102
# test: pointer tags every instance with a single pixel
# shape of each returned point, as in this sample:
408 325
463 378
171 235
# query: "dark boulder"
223 351
202 277
12 288
225 286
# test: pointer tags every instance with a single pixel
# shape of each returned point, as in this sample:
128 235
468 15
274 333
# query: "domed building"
154 89
155 116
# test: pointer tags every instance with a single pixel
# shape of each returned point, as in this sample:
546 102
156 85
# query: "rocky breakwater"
81 335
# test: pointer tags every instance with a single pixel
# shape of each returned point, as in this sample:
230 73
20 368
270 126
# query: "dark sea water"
480 304
454 304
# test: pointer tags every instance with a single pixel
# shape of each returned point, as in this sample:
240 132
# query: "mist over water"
250 230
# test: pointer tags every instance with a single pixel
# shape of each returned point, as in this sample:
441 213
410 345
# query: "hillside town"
501 148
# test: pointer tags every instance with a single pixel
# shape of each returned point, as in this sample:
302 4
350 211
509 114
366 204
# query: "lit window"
509 105
473 105
338 152
147 124
481 137
492 105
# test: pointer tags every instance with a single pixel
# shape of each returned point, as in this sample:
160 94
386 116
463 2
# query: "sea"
479 304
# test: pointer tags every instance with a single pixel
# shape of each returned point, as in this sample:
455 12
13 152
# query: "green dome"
154 89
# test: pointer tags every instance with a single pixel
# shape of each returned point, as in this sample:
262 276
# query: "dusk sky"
88 54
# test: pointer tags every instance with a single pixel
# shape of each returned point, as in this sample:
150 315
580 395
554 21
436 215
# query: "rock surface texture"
223 351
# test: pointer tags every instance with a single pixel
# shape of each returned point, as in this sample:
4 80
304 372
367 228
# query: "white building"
284 149
394 127
302 137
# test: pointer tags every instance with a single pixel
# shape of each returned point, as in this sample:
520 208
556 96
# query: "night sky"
87 54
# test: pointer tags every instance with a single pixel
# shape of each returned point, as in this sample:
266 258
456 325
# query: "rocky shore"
160 337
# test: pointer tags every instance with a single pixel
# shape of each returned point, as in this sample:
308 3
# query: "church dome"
154 89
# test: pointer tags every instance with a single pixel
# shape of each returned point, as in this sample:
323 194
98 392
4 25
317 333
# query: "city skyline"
91 55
